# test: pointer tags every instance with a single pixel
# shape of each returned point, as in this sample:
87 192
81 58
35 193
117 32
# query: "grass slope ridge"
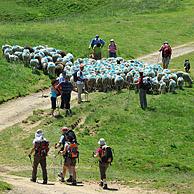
26 10
152 148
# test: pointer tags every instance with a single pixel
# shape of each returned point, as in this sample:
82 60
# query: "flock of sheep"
101 75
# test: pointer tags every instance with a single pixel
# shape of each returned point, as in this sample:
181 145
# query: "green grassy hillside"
138 27
152 148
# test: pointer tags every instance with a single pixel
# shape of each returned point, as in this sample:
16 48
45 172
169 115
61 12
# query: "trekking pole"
30 159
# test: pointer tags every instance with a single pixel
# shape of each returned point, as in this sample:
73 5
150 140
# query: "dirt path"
14 111
24 186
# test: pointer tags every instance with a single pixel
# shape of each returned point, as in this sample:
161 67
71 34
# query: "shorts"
70 161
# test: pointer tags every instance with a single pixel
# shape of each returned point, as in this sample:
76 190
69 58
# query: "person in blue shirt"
95 41
53 95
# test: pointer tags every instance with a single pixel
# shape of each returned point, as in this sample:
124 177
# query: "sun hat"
165 42
64 129
39 135
102 142
112 40
97 36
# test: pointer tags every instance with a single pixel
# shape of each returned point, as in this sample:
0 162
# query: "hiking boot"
44 182
62 180
101 184
66 113
105 186
33 180
74 183
70 179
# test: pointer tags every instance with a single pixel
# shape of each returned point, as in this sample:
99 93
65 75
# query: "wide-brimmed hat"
102 142
165 42
111 40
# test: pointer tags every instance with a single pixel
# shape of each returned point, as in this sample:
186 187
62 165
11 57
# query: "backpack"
107 155
75 78
41 148
146 84
73 151
166 50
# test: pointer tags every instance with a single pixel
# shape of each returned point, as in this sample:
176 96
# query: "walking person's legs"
44 170
34 170
80 90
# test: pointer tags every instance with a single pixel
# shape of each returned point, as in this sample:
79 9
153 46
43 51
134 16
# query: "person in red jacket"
166 54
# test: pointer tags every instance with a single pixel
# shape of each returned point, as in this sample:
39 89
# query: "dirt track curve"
14 111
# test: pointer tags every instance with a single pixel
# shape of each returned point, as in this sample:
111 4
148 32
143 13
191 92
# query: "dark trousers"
142 97
42 161
53 103
103 167
112 54
65 100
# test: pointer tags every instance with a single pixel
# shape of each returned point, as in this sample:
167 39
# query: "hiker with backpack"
105 157
70 153
142 90
40 150
112 48
66 89
66 132
97 51
166 54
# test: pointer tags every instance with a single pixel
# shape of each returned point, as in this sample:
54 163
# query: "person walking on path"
66 132
80 82
95 41
66 89
70 153
112 48
166 54
40 150
142 91
105 160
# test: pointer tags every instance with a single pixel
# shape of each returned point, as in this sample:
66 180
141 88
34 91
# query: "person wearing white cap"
112 49
40 150
103 163
166 54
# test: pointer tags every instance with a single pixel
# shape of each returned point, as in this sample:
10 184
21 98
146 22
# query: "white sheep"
180 82
172 86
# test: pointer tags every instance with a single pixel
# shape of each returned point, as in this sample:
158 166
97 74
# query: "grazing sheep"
51 69
26 57
162 88
119 81
34 63
172 86
180 83
186 77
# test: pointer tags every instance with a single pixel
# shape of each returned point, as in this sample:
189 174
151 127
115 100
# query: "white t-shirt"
81 75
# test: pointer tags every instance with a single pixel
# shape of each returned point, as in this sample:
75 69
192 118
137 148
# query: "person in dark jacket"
142 91
95 41
66 89
187 65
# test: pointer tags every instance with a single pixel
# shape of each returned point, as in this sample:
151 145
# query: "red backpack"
166 50
41 148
